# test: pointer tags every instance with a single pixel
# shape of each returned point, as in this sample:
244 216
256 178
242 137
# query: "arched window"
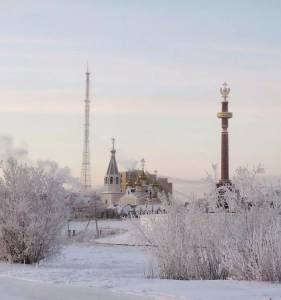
111 180
105 180
117 180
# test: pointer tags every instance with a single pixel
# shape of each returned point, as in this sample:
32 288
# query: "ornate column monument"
224 115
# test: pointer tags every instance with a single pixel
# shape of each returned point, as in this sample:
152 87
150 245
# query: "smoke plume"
8 149
128 163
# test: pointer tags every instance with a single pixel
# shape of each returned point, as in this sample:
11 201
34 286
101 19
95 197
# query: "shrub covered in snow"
32 213
185 245
240 242
253 245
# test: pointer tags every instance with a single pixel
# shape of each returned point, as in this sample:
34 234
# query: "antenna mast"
86 166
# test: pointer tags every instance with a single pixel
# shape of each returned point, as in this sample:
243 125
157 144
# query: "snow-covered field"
17 289
107 271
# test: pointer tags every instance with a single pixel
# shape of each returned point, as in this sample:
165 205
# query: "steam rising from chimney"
9 150
127 163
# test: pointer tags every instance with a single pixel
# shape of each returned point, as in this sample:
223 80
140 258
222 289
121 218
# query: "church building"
133 187
112 188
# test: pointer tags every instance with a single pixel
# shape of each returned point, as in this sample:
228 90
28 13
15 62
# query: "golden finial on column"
225 90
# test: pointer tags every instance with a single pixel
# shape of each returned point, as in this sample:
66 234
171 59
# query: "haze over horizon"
156 69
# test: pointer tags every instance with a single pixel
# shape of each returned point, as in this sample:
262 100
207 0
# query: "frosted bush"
242 241
31 213
186 246
254 245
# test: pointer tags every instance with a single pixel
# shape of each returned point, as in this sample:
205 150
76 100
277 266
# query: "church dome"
129 183
142 176
138 182
155 184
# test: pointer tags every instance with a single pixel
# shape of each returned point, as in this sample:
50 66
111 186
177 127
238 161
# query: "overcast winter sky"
156 70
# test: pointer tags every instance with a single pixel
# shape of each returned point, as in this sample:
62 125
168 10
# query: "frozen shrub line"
202 240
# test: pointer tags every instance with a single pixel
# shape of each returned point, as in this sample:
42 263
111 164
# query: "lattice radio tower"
86 166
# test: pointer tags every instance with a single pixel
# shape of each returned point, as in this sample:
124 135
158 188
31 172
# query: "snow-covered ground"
17 289
108 271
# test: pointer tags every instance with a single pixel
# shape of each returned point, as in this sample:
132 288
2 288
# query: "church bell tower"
112 185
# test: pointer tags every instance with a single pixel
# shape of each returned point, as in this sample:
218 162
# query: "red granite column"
224 157
224 115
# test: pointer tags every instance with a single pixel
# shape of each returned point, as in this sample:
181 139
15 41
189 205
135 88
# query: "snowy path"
17 289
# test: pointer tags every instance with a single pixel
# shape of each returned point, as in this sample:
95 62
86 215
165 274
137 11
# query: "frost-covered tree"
242 241
253 244
186 243
32 212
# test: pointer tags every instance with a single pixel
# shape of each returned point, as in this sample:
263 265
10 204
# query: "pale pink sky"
156 70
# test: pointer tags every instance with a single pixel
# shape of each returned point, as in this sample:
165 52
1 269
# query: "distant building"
134 187
140 191
133 175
